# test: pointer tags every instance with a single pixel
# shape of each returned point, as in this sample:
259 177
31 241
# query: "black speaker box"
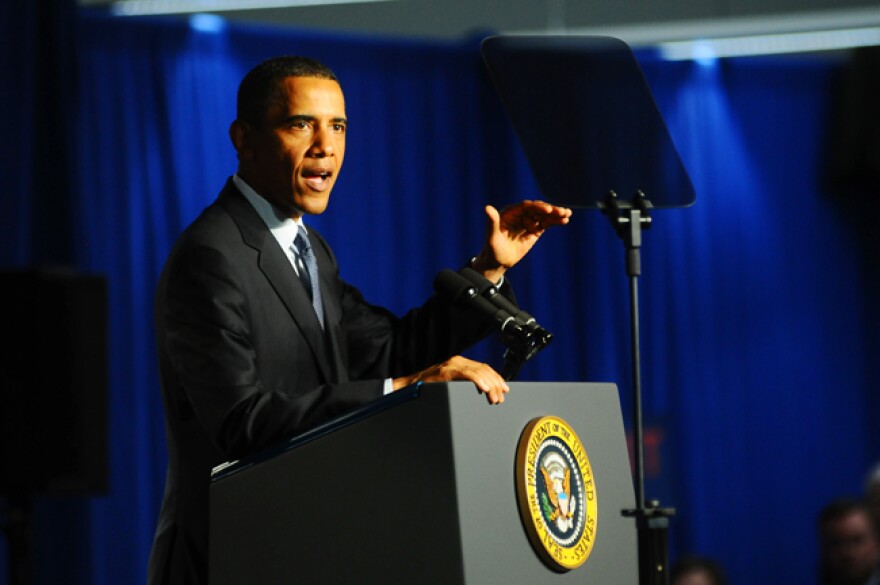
53 380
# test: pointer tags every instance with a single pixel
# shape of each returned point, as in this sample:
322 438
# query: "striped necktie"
308 272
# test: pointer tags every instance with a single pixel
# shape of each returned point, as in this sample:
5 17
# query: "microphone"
457 289
520 332
485 287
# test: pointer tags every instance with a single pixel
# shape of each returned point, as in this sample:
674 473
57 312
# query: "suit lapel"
276 268
332 310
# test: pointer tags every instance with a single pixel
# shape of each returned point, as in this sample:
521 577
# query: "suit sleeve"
378 344
384 347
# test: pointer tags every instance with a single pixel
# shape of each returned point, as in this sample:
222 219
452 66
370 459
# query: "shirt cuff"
495 284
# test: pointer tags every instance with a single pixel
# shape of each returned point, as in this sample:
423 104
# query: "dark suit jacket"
244 362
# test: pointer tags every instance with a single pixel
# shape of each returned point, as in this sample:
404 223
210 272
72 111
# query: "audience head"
849 549
696 570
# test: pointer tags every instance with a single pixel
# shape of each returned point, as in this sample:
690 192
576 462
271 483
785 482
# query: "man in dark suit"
247 355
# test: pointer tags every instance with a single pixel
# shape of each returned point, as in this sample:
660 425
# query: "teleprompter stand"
629 219
608 137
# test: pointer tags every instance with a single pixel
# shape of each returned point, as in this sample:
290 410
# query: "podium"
424 486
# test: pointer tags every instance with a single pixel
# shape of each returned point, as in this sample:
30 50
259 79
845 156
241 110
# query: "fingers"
545 214
494 216
492 386
487 380
496 396
534 216
484 377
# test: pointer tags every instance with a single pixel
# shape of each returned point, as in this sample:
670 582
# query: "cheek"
340 152
289 151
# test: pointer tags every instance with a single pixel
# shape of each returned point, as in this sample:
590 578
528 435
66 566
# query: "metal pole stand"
652 521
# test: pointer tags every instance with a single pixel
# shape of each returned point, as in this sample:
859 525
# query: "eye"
299 123
338 128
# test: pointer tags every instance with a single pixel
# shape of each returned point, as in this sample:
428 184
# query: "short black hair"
261 87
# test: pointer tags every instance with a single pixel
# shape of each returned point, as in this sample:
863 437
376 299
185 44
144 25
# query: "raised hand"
512 232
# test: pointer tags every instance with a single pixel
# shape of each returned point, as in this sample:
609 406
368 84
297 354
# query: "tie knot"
301 241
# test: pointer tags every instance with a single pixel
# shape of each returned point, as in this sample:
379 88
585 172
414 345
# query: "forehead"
312 96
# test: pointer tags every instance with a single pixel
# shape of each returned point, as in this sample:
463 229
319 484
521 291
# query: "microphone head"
541 337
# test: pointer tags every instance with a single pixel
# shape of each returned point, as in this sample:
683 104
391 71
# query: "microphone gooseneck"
520 331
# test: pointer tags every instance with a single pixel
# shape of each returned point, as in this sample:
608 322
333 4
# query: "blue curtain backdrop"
757 333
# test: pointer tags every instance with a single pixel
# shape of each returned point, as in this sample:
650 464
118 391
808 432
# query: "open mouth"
317 179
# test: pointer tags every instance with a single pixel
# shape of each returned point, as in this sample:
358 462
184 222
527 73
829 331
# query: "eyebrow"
311 118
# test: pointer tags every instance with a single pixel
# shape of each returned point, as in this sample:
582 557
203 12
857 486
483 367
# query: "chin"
313 207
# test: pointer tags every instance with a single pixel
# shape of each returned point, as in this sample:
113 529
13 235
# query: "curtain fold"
36 158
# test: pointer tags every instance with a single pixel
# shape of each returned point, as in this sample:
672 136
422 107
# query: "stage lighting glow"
144 7
208 23
770 44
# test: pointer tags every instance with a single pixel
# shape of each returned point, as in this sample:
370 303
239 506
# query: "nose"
323 143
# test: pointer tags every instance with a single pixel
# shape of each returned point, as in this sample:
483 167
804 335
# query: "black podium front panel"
421 491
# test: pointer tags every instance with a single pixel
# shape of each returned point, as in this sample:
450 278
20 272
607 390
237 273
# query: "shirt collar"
283 228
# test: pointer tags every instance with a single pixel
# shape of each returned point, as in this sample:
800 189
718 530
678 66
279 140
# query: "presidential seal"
556 493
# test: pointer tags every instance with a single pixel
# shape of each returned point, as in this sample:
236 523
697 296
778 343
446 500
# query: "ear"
241 135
